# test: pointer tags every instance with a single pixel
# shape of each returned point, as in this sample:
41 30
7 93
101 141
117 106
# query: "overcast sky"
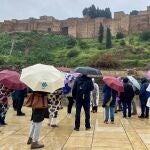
62 9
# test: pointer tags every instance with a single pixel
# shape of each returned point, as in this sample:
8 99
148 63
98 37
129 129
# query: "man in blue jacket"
81 93
143 95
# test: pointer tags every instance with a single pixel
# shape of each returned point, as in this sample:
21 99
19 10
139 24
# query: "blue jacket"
143 95
108 93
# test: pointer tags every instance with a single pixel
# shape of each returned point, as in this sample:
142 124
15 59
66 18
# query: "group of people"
84 92
126 100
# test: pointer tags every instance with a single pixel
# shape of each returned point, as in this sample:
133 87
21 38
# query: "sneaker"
35 145
21 114
141 117
112 121
106 121
147 117
54 125
88 128
29 141
76 129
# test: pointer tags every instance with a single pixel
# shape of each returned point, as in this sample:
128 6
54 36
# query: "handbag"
36 100
148 102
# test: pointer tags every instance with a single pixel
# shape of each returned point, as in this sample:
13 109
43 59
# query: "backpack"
82 88
66 89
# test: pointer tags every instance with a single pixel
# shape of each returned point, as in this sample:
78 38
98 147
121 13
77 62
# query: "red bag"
36 100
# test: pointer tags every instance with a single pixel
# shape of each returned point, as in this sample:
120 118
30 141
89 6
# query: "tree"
108 39
134 13
108 13
101 33
94 12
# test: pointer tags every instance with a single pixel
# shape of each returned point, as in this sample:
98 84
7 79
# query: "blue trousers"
109 110
126 104
86 106
144 108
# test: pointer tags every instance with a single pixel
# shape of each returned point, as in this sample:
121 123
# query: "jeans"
144 108
86 106
35 131
109 110
126 104
70 104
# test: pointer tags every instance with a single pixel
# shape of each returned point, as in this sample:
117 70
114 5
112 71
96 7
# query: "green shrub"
83 45
145 36
119 35
104 61
72 53
122 43
71 42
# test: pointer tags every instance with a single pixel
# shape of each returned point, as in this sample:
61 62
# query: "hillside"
25 48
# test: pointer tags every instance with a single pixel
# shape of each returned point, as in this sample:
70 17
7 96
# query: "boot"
29 140
35 145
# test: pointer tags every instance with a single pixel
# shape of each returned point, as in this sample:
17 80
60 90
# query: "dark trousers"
70 104
20 102
15 104
86 106
126 104
94 108
144 108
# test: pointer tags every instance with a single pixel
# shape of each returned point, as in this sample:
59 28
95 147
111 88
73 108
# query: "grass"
34 47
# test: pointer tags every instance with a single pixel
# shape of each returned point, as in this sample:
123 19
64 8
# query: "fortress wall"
82 29
139 23
98 21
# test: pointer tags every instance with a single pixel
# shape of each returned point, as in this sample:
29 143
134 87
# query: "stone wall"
81 27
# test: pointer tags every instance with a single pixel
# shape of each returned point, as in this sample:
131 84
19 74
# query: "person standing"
37 118
18 100
4 93
109 101
126 97
54 102
81 93
143 98
95 97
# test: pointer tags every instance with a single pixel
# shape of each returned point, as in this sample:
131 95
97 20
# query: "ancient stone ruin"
81 27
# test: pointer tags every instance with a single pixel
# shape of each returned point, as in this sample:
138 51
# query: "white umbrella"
41 77
148 88
134 82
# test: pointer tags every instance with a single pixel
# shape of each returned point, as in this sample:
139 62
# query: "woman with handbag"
38 102
109 101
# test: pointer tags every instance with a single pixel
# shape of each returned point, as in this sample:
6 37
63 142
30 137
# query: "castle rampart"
81 27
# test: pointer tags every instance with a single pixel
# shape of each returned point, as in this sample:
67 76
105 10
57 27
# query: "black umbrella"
88 71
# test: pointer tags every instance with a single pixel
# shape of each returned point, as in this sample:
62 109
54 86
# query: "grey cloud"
62 9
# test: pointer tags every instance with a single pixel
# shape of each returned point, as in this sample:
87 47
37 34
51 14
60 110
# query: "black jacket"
128 93
82 88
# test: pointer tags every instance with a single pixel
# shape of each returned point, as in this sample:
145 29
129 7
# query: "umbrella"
113 83
71 76
134 82
88 71
148 88
41 77
11 80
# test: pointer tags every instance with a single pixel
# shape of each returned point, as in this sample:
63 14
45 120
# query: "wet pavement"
125 134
